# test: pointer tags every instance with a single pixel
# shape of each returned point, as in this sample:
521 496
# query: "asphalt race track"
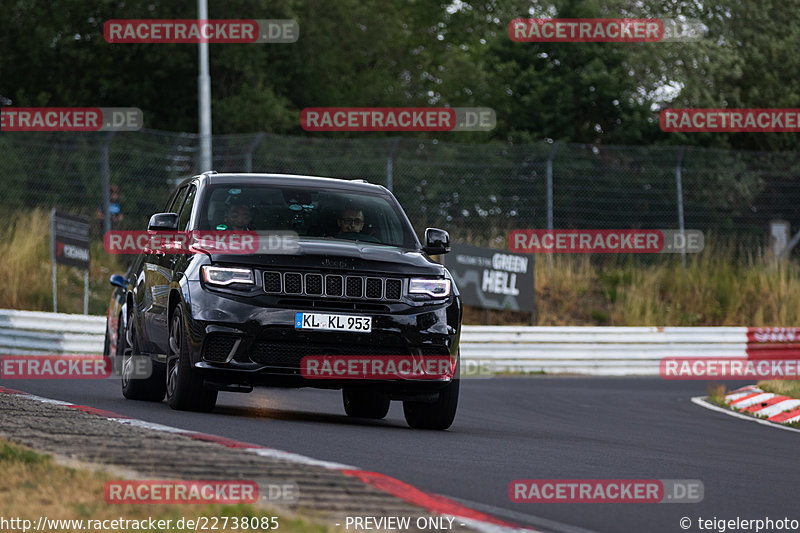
517 428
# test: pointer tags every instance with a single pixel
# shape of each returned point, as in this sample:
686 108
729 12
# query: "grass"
34 486
783 387
721 286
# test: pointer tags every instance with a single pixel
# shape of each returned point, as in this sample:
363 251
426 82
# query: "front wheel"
437 415
185 390
364 403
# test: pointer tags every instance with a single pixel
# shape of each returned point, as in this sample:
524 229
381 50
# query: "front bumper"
251 340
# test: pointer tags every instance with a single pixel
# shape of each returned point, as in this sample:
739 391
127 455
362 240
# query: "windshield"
335 215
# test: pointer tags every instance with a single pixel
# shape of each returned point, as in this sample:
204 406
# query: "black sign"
492 279
69 240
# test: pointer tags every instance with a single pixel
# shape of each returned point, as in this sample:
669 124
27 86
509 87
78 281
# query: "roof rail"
359 180
209 172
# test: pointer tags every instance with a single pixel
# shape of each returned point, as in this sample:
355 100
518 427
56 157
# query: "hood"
340 256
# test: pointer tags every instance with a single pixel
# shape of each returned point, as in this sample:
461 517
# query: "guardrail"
34 332
596 350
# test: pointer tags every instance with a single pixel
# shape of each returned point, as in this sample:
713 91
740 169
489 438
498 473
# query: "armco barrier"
34 332
596 350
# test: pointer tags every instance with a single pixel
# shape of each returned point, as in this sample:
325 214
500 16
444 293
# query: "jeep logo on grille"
334 263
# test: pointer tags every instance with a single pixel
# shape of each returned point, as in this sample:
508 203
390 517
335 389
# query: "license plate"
358 324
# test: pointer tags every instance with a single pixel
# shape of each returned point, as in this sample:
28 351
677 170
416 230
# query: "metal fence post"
53 257
679 185
248 157
550 158
549 176
389 163
105 173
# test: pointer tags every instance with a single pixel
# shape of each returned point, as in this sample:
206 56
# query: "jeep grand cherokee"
357 283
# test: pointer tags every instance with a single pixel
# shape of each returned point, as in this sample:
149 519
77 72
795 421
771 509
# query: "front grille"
216 348
360 306
293 283
289 354
333 286
394 288
272 281
354 284
374 288
313 284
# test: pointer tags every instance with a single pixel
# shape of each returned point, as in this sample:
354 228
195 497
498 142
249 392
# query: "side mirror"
163 221
118 280
437 241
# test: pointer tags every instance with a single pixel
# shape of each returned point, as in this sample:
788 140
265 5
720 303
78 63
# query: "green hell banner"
492 279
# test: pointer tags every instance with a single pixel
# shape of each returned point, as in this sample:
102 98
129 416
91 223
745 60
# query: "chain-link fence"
476 191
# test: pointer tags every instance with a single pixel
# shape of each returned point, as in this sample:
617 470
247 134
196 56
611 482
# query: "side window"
174 205
186 210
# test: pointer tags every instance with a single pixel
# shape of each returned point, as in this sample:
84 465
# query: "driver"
351 223
239 216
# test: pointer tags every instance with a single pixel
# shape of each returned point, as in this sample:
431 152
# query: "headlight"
438 288
226 276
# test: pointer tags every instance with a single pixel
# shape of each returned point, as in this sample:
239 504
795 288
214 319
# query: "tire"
439 414
107 344
364 403
150 389
185 390
122 340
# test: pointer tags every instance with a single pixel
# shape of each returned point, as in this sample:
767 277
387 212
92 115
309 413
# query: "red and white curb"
433 503
766 405
752 403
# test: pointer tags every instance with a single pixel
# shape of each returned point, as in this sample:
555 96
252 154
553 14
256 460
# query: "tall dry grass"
721 286
25 261
26 270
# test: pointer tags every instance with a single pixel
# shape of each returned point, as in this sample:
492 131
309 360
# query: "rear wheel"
364 403
185 390
107 343
150 389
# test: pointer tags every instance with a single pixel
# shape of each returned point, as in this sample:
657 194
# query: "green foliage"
415 53
12 453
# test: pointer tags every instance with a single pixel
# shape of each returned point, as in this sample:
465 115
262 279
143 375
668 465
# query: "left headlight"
438 288
227 276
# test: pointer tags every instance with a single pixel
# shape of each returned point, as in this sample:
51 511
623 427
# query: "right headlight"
437 288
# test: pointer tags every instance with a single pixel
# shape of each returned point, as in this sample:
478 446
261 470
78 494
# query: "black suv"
357 283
